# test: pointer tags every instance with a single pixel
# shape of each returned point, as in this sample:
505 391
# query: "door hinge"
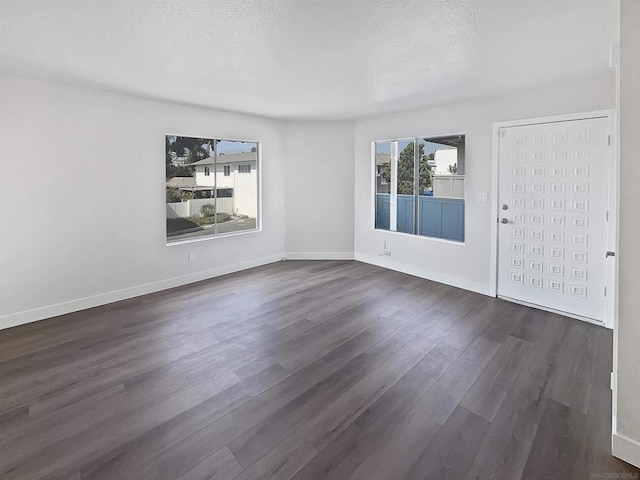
609 140
607 215
605 291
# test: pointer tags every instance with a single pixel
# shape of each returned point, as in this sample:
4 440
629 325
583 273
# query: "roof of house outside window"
227 158
382 158
181 182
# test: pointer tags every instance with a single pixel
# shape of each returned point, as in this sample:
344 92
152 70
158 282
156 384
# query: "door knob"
505 207
504 220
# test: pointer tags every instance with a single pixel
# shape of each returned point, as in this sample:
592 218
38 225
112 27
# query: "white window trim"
219 236
372 203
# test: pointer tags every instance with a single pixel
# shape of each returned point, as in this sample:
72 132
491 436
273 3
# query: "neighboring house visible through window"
202 197
420 186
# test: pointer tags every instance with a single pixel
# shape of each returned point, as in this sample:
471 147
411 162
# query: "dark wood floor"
307 370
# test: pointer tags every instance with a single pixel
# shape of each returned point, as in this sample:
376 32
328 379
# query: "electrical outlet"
192 256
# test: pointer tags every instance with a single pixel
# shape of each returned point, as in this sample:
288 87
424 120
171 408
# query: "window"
203 205
246 168
420 186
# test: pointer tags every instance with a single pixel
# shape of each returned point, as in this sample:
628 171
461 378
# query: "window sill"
205 238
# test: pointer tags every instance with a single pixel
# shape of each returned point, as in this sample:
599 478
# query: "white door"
553 200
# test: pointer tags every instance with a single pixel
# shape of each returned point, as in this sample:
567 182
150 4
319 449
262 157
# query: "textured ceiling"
308 59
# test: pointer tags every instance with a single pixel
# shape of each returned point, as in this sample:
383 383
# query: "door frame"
611 271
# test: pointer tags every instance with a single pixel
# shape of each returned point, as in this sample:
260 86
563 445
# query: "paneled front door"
553 200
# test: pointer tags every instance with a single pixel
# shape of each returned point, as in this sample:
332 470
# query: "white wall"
77 162
191 208
245 189
465 265
626 441
56 259
444 157
319 190
201 178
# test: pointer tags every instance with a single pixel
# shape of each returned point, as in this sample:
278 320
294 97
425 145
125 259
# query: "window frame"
240 171
259 200
374 192
226 170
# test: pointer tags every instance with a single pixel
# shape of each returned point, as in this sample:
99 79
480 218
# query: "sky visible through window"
228 146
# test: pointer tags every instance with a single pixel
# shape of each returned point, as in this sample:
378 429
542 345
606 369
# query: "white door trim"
613 198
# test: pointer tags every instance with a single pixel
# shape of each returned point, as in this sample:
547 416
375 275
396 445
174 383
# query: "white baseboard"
386 262
33 315
626 449
319 255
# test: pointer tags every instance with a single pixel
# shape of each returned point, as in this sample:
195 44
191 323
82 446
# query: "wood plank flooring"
307 370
